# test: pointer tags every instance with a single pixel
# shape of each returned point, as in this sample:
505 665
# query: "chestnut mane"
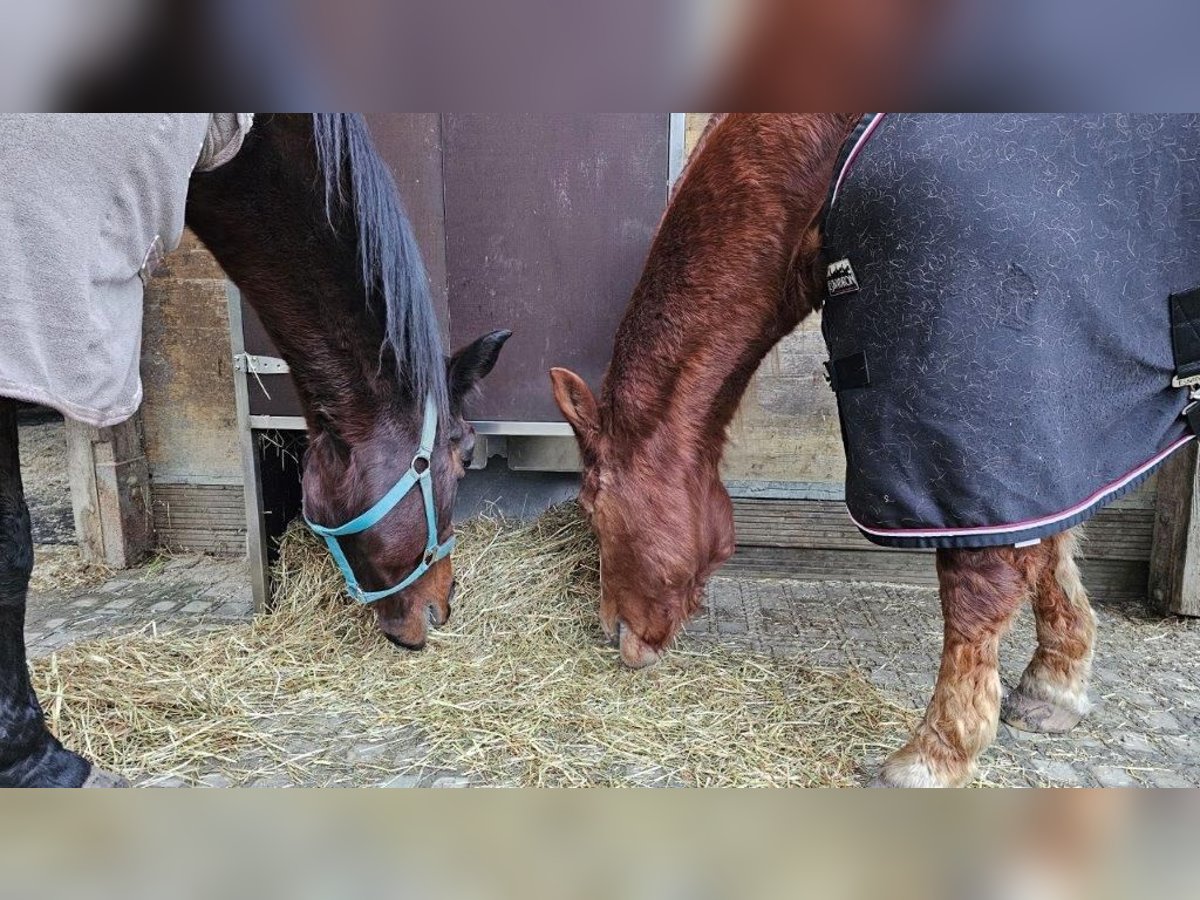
727 275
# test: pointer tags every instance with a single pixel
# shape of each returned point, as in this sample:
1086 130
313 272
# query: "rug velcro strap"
848 372
1192 414
1185 337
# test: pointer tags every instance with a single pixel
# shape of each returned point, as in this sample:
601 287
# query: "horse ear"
578 406
471 364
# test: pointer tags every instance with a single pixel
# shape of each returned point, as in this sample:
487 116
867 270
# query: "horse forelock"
390 262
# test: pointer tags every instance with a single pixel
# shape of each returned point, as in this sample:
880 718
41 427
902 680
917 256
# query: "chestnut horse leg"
981 590
1052 696
29 755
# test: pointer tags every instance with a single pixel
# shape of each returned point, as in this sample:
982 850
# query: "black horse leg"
29 755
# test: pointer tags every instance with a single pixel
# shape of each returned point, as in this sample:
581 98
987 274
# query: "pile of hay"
60 567
520 688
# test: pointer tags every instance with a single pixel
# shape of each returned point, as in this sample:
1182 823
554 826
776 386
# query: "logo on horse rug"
839 278
1018 285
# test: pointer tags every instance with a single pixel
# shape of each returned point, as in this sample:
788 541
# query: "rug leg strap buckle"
1191 412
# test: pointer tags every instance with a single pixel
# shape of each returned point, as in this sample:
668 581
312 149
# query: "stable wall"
188 419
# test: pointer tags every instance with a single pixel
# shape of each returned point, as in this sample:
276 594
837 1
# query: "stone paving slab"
197 589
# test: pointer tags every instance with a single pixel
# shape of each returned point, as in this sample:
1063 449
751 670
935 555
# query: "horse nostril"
615 640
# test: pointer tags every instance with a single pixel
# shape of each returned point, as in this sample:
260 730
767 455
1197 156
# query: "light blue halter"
416 474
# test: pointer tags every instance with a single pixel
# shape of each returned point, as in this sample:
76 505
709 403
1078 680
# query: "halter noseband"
420 472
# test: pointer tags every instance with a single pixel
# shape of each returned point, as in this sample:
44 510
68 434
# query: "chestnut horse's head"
732 269
662 515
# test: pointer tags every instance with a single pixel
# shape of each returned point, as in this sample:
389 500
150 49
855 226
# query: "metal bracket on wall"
259 365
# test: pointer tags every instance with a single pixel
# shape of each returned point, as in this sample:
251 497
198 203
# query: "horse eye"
466 447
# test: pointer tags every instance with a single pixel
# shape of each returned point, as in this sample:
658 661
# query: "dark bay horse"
307 221
735 265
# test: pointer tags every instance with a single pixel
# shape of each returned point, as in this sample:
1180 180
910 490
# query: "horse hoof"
100 778
1027 713
908 770
901 780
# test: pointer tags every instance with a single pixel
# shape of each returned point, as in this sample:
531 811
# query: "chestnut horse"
732 269
307 221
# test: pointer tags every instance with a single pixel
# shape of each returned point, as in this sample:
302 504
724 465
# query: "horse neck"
729 274
268 230
331 348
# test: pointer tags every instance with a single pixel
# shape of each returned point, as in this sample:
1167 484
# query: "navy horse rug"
1012 318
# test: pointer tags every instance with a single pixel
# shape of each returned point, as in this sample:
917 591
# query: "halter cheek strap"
419 473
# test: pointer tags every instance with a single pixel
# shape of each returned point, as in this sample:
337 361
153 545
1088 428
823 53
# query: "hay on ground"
59 568
519 689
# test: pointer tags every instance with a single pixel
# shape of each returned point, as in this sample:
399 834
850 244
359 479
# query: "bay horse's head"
661 514
384 498
307 220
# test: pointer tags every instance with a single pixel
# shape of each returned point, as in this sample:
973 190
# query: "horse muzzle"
635 653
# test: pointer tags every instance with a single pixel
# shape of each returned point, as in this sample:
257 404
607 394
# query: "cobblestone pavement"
182 591
1145 729
189 590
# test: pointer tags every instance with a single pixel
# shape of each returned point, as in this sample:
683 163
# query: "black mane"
390 261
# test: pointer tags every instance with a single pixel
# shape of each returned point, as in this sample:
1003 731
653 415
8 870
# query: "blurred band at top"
628 54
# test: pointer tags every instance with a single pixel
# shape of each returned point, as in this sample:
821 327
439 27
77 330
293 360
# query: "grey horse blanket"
87 205
999 317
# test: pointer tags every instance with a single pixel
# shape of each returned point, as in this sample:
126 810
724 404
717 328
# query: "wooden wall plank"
110 487
188 411
203 518
1174 579
548 220
1105 579
1119 532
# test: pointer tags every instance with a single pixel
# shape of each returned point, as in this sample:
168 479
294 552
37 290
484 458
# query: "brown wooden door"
538 223
548 220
